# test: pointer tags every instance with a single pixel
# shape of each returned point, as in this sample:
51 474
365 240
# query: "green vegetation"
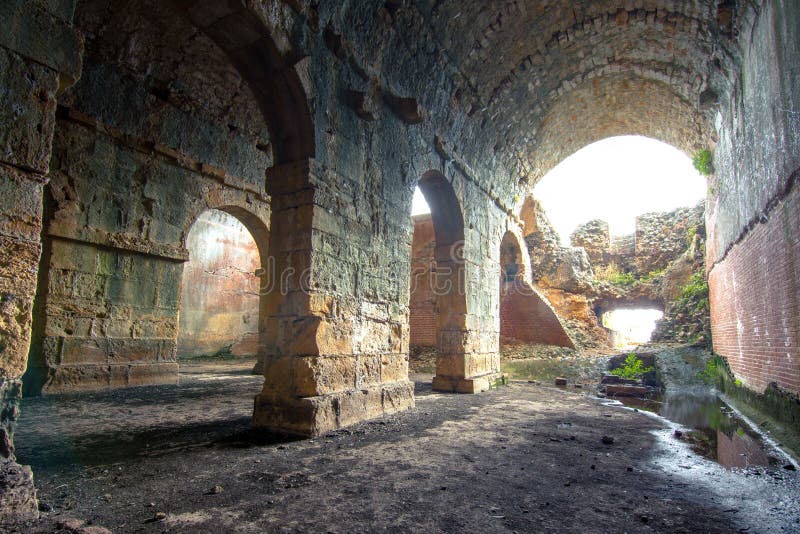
613 275
653 275
712 374
694 295
690 234
703 162
633 368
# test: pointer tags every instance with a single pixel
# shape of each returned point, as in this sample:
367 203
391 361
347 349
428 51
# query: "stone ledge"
313 416
454 384
71 379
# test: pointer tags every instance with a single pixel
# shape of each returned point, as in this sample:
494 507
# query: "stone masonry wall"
753 253
662 237
39 53
220 290
143 144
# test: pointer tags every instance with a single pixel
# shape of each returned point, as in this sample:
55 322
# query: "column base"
75 378
453 384
313 416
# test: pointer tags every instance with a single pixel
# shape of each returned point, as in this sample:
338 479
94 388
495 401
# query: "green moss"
775 410
703 162
653 275
622 279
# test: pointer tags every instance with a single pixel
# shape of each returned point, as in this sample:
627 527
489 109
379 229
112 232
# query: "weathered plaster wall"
220 289
752 220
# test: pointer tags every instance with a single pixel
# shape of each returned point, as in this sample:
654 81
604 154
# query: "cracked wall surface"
312 123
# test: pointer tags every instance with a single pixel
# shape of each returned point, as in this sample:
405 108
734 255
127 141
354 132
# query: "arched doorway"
220 311
437 310
525 317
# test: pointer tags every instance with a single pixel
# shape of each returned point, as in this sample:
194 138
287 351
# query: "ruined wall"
753 253
220 290
39 52
422 320
147 140
662 237
526 318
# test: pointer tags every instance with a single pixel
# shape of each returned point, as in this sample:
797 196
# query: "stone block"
17 494
18 263
394 367
77 378
84 351
21 201
368 370
34 32
321 375
27 109
163 373
397 396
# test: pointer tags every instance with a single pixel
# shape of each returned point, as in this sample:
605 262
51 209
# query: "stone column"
328 364
39 53
467 357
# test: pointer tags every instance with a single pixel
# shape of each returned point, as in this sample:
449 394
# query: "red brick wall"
422 311
525 317
755 301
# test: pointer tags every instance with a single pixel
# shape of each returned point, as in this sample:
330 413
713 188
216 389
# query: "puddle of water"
717 432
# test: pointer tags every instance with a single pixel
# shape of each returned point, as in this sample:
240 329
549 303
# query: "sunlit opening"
615 180
419 206
631 326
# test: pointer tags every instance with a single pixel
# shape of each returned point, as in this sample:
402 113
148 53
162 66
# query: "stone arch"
242 35
258 228
447 277
524 315
614 105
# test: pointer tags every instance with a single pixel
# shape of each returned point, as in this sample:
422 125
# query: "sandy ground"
522 458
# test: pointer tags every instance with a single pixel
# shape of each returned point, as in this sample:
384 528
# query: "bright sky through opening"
635 326
615 180
419 206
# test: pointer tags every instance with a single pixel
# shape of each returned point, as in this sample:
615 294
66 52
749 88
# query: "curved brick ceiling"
522 60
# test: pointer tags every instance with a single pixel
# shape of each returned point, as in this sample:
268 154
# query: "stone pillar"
327 363
39 53
467 357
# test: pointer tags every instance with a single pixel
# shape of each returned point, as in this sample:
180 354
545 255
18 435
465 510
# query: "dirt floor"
524 458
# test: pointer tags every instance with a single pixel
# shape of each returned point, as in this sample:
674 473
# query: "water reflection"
718 433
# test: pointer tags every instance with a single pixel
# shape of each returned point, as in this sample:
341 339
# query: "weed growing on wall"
703 162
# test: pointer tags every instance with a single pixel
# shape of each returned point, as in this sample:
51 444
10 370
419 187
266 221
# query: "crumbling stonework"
647 269
312 123
593 237
31 73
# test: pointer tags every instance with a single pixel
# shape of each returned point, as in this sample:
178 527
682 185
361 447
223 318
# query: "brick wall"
755 294
422 304
525 317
